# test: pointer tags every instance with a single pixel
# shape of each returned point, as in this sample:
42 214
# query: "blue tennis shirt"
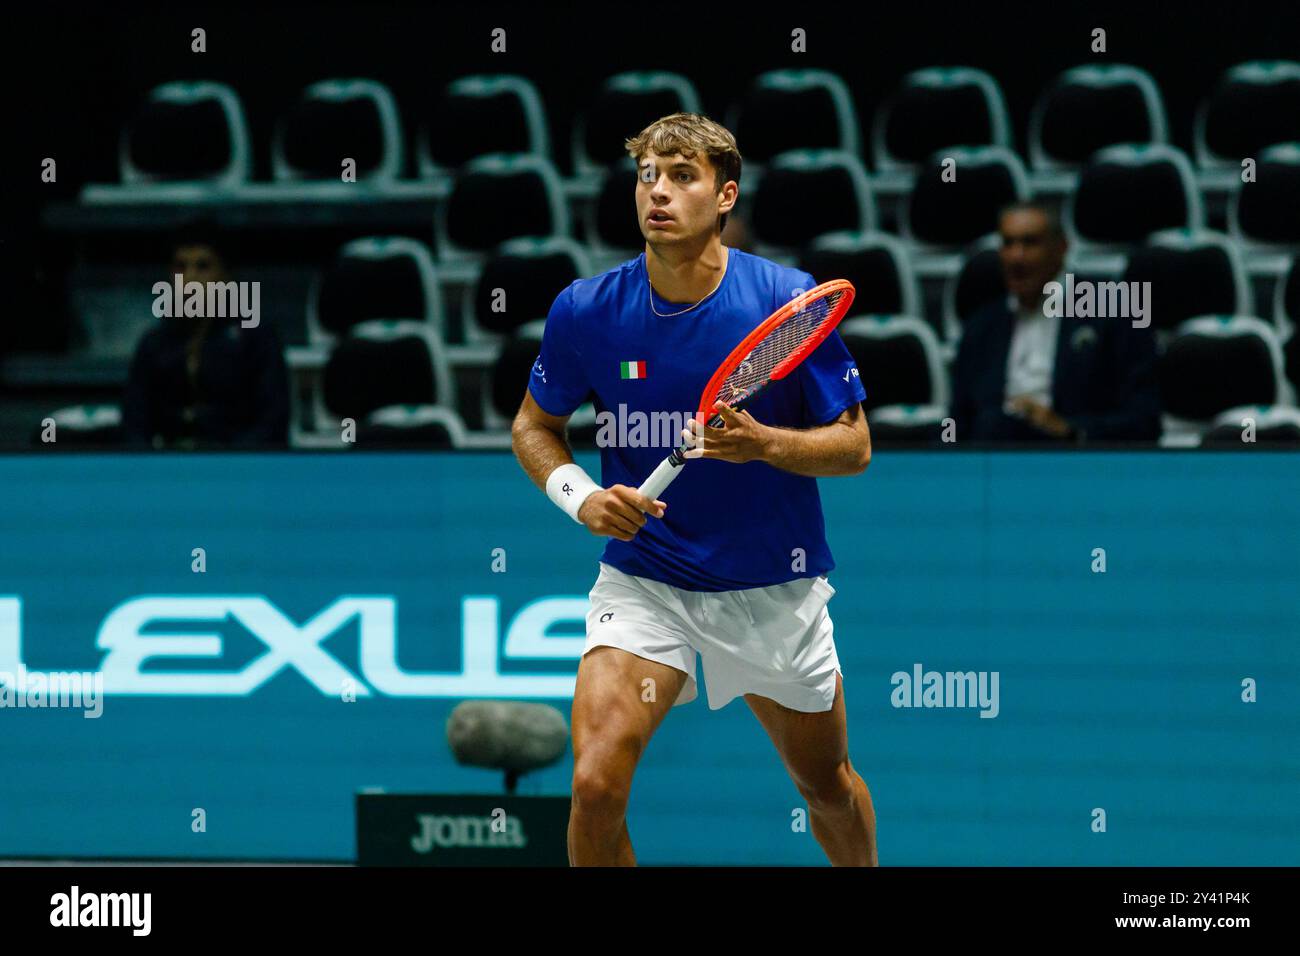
727 526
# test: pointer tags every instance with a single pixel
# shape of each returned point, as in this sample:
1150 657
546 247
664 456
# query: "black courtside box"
414 829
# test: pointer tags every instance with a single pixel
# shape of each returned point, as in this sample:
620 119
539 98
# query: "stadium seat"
940 215
334 120
1086 109
382 363
1286 299
374 278
1127 192
1268 425
977 281
626 104
405 426
1291 359
1215 363
510 373
584 427
1265 215
907 425
611 227
187 132
932 109
496 198
899 359
785 110
478 115
1192 272
875 262
81 426
1254 105
806 193
523 277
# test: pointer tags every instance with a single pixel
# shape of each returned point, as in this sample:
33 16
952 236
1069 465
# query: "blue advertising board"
1137 611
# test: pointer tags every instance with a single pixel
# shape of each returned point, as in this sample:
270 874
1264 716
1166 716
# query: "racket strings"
755 369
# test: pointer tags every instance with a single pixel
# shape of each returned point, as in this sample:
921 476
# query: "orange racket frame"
671 466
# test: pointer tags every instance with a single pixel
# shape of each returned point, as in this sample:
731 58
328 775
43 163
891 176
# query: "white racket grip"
662 477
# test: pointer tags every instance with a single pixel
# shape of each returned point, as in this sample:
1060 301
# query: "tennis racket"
768 354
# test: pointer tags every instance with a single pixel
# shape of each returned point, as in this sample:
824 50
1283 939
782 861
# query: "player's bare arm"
539 442
840 447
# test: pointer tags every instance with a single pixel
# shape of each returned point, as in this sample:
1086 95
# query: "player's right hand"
618 511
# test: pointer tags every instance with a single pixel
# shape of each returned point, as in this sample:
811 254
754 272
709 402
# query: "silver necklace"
668 315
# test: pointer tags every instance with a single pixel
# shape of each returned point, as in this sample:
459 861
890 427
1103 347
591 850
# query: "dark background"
74 72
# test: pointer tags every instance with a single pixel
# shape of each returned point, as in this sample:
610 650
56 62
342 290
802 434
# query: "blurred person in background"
206 381
1024 375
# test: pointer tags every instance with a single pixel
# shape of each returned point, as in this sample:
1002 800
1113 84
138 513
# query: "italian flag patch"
631 369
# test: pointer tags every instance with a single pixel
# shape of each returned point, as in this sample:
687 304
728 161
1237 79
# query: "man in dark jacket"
1027 372
206 381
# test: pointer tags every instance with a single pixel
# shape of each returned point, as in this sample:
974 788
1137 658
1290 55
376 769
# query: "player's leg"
619 701
814 748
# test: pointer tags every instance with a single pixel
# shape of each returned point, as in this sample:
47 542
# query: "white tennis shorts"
775 641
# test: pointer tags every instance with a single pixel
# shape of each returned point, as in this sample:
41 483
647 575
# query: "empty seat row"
195 131
396 278
1191 272
1125 194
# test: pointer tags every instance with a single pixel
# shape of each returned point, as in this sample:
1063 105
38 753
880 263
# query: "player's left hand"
741 438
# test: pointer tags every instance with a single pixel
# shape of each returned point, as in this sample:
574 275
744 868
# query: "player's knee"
602 772
832 789
599 791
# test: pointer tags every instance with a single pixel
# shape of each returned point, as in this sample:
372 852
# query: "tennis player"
731 566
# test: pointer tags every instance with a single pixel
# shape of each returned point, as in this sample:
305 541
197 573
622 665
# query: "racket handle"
662 476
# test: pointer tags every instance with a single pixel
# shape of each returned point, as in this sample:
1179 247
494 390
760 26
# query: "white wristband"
568 486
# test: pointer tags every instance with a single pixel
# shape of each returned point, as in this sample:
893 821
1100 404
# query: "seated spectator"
206 381
1025 373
